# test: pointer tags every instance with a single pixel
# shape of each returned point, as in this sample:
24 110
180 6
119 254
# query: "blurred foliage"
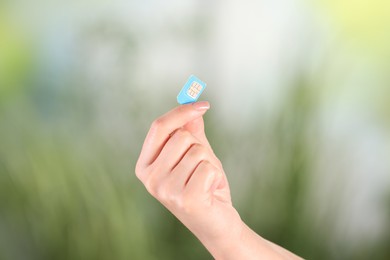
15 58
60 200
363 29
366 22
71 130
280 181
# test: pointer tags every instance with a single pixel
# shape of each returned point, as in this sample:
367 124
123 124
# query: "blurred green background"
300 118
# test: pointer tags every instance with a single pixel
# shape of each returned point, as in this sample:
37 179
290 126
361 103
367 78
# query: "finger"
162 128
203 180
193 157
175 148
196 127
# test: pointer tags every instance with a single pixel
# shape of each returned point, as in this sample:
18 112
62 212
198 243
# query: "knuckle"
157 124
162 194
169 195
149 185
178 133
169 198
138 175
152 185
181 203
198 151
208 167
174 200
138 171
183 136
219 164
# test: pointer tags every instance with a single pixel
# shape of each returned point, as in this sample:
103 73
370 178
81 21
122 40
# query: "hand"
179 168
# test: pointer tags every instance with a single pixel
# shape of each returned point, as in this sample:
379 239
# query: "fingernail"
202 105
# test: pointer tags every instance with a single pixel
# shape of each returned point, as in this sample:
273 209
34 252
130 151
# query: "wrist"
241 242
226 244
250 245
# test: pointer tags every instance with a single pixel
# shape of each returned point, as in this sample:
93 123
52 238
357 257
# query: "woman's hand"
179 168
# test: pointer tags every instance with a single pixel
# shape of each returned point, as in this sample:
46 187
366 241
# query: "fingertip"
201 105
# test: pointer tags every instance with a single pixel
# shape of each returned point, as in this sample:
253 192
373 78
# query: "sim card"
191 90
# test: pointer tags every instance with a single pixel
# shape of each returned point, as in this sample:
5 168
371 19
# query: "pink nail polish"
202 105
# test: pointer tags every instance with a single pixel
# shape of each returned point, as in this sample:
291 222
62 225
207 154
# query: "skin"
179 168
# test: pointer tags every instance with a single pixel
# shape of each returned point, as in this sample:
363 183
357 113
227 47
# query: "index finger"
162 127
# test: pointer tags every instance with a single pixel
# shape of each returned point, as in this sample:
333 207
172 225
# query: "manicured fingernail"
202 105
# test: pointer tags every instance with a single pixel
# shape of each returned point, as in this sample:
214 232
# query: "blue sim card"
191 90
